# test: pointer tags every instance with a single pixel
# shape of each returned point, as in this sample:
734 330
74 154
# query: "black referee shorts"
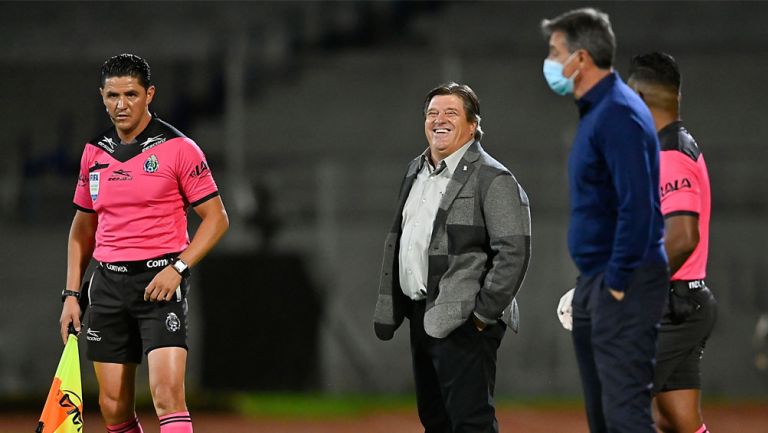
681 341
121 325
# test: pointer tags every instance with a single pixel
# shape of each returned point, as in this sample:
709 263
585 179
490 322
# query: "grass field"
291 413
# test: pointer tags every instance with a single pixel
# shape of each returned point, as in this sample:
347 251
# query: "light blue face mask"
553 73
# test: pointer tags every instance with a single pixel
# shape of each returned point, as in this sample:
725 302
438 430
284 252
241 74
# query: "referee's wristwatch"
67 293
181 267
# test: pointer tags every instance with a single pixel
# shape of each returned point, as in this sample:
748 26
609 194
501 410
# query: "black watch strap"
66 293
181 267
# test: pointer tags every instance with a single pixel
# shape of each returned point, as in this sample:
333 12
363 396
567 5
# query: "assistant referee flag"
63 411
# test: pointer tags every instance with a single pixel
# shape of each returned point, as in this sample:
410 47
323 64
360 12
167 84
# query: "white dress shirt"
419 217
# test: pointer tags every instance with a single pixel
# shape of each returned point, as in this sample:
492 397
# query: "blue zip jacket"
613 171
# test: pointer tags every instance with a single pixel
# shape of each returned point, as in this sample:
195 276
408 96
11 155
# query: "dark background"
309 112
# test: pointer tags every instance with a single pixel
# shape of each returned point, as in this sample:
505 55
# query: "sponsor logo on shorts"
158 263
92 335
172 322
116 268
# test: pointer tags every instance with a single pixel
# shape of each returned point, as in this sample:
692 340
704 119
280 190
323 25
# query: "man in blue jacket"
616 226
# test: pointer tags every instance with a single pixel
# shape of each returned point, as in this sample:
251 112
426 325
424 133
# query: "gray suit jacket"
478 253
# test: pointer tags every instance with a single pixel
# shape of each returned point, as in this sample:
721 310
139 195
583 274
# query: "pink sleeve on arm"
195 176
679 183
82 197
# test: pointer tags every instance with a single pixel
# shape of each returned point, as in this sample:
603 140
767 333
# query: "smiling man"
137 180
454 260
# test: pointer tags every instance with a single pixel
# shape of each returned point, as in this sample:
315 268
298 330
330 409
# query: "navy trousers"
615 344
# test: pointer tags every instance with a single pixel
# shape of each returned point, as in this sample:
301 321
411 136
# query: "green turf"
309 406
286 405
325 406
316 405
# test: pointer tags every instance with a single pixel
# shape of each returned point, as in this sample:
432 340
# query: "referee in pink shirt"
685 203
137 180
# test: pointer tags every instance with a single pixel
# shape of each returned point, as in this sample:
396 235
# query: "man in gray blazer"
454 260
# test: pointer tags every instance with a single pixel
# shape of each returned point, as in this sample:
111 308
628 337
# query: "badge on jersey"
93 179
151 164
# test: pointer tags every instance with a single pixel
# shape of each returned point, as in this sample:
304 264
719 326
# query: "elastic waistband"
689 285
139 266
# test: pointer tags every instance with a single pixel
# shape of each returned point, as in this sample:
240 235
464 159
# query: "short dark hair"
468 97
588 29
656 68
125 64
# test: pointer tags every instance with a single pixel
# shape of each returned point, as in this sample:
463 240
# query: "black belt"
139 266
687 286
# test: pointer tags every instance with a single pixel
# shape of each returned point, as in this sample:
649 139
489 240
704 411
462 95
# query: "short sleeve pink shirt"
684 184
141 191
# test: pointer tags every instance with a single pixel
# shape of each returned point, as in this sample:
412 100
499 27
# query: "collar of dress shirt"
451 161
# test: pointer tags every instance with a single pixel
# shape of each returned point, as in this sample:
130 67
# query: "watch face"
180 266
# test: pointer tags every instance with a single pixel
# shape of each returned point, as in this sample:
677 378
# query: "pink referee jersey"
141 191
685 191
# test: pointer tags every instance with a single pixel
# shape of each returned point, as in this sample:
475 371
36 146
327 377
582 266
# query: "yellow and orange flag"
63 411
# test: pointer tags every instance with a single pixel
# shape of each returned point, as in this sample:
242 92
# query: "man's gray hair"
588 29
